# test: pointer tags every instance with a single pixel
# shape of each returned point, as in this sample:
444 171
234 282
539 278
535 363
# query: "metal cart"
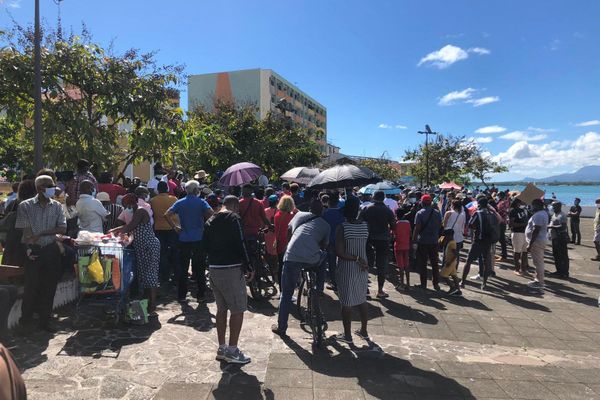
113 293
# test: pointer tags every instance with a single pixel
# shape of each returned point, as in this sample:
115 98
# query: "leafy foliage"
89 94
451 158
216 139
381 167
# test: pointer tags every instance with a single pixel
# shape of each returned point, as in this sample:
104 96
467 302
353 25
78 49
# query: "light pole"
427 132
37 95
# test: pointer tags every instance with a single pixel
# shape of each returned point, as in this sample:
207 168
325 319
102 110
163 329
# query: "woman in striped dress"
352 272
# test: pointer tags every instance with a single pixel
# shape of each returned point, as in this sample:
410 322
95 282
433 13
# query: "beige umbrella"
530 193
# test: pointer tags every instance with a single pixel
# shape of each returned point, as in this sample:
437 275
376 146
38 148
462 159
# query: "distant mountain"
590 173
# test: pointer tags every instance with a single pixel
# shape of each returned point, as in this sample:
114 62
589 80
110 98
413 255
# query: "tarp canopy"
450 185
530 193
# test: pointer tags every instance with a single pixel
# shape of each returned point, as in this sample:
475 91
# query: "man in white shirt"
536 235
159 175
90 211
390 203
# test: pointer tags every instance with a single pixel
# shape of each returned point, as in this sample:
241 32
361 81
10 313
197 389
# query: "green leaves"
88 94
451 158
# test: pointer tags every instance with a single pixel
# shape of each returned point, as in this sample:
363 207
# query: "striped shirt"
34 219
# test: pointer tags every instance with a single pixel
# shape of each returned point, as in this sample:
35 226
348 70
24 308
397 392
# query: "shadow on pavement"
200 319
380 375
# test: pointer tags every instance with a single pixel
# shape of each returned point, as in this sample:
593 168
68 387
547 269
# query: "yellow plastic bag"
95 269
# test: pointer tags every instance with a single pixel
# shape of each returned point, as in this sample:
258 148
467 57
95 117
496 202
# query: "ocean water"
565 193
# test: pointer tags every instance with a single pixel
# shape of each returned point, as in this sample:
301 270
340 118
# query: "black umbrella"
343 176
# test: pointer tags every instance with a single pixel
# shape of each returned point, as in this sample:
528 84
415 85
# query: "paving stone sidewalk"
502 343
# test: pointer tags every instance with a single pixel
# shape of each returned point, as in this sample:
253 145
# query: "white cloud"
450 54
540 130
11 3
444 57
479 50
482 139
555 45
593 122
491 129
453 97
387 126
466 96
483 101
523 136
548 158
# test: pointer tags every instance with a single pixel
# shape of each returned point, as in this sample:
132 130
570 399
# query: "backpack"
490 226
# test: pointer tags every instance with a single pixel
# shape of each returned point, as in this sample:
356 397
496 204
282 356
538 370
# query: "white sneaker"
475 277
236 357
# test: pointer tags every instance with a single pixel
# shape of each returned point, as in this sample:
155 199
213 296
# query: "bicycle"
309 306
263 284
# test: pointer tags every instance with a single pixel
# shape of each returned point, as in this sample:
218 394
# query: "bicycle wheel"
316 318
255 291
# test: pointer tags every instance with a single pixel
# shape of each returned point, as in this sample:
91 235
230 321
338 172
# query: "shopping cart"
117 265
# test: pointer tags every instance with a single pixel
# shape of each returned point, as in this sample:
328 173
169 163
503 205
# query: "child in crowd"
450 262
402 246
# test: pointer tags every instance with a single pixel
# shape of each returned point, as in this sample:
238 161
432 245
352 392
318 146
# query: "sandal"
340 337
360 335
382 295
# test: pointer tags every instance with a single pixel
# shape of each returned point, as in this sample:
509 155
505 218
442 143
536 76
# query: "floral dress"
147 255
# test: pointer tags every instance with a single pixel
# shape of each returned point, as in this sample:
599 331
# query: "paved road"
504 343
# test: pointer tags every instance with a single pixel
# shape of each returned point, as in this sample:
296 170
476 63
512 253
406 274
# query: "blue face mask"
94 193
129 210
50 192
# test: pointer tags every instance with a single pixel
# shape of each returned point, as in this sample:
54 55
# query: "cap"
273 198
103 196
426 198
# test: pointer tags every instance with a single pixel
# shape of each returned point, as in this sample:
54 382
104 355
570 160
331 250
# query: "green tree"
381 167
452 158
481 166
217 138
90 97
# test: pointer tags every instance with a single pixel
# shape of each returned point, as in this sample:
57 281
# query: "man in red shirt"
252 213
105 184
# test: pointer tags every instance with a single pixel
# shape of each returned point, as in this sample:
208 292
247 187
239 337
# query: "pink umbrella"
240 174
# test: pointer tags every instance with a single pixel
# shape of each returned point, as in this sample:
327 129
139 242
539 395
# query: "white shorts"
519 242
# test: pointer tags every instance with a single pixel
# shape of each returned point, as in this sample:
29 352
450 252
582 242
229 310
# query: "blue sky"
525 70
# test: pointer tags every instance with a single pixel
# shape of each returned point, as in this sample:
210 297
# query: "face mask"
412 200
147 198
597 205
129 210
50 192
93 193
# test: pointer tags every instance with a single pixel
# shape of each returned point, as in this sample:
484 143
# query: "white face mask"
412 200
147 199
597 205
93 193
50 192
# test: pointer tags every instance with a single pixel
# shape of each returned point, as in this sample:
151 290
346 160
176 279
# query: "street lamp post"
37 95
427 132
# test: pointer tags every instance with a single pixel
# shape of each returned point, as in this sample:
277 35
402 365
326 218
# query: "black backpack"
490 226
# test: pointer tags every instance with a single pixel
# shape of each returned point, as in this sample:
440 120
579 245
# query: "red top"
282 220
402 233
113 190
253 216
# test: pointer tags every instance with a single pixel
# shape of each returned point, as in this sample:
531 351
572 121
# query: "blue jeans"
289 280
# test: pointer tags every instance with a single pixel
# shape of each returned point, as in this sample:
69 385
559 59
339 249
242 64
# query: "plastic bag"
95 269
137 312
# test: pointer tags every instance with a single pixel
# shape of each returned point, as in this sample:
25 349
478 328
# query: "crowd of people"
177 223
